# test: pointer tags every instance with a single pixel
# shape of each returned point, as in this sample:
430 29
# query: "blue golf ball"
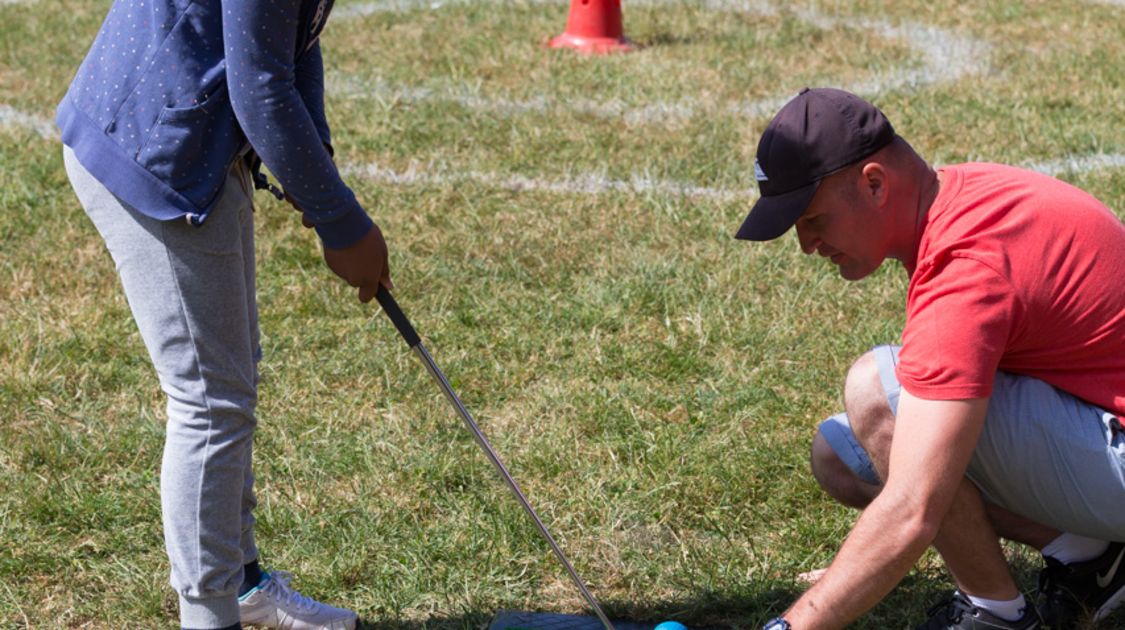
670 625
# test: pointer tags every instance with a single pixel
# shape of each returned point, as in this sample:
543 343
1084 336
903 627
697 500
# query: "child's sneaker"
274 604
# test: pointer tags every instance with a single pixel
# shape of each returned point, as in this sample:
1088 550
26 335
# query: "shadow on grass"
711 609
905 607
469 620
706 610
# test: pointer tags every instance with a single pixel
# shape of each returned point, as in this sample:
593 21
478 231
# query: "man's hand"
932 445
363 265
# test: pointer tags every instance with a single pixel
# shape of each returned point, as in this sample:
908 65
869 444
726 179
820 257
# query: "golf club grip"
390 307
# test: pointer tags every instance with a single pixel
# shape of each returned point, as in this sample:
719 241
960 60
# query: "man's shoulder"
987 209
985 181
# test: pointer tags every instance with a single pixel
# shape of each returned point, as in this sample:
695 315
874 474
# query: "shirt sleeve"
959 320
310 85
260 40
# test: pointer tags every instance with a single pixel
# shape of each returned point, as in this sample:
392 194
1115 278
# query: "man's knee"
836 478
869 413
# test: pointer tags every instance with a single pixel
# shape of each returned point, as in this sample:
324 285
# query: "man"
161 127
1000 414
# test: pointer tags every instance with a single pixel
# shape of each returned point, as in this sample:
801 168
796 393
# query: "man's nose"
807 240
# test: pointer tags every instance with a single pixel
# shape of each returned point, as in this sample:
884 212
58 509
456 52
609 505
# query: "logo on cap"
759 174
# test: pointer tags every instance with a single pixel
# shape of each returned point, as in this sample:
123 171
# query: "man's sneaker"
958 613
1068 592
274 604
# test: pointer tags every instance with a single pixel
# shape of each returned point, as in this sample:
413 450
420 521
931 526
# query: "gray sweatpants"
191 291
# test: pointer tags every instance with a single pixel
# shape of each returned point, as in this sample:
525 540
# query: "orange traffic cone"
593 26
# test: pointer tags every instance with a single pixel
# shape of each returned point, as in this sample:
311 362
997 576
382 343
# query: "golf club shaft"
406 329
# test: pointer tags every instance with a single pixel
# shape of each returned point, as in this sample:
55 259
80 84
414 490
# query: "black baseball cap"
817 133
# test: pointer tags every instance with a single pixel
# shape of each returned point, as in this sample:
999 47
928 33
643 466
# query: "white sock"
1008 610
1070 548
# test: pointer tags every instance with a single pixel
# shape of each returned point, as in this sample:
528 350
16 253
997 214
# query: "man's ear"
873 183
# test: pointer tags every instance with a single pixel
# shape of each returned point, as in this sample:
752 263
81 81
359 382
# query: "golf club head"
524 620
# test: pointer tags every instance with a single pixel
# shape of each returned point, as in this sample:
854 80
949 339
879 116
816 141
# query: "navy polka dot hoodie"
173 91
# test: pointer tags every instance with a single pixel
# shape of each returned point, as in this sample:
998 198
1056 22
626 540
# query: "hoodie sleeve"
310 85
265 80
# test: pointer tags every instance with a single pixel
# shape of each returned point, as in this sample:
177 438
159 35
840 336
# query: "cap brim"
772 216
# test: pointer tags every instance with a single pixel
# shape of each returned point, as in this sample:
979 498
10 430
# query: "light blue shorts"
1043 454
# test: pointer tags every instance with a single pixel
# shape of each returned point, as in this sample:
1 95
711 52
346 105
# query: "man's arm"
933 443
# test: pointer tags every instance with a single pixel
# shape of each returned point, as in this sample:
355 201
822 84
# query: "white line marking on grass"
364 9
469 98
945 56
641 183
1080 164
582 183
12 117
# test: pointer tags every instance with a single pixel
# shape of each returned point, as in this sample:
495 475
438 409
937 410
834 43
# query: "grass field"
561 234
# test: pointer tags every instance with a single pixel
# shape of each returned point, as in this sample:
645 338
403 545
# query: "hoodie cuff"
345 231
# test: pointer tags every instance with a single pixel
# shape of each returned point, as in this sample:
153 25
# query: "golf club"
406 329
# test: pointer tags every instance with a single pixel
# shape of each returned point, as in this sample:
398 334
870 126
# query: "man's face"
844 225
